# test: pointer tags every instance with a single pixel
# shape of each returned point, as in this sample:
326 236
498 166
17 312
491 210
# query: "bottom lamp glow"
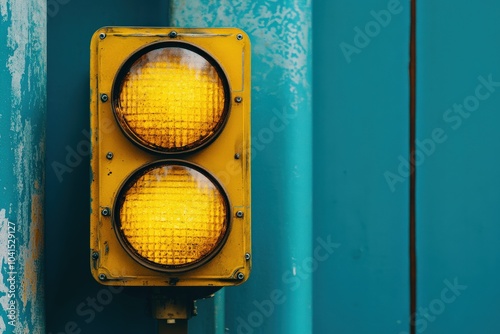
172 216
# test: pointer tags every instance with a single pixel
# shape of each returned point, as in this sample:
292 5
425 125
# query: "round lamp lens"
171 98
172 215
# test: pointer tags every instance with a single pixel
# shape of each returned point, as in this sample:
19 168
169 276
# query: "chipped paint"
22 150
280 34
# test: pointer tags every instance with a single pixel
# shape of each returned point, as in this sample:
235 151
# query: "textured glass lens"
173 215
171 99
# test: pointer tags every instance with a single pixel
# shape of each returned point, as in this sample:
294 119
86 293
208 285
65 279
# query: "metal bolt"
109 155
102 35
248 256
239 214
95 255
102 277
240 276
106 212
237 156
239 37
173 34
104 98
238 99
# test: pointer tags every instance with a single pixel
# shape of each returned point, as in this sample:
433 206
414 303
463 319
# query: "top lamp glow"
170 99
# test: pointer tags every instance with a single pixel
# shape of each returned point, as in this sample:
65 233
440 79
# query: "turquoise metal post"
278 296
220 312
22 145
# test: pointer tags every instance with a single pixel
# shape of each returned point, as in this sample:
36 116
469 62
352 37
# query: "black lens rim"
127 184
124 70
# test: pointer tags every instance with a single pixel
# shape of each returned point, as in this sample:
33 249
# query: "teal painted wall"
23 68
458 181
361 131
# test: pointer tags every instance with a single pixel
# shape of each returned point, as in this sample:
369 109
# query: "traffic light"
170 182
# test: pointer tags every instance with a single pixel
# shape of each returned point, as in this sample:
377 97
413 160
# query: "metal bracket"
173 313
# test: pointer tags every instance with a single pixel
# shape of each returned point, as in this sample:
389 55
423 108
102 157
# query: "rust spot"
31 255
36 224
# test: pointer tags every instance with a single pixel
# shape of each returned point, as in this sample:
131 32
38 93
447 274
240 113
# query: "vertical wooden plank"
458 181
361 128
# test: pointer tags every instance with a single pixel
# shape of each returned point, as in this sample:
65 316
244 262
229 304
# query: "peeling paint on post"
22 143
280 33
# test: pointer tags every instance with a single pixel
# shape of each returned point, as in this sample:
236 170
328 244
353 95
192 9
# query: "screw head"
237 156
240 276
239 214
102 277
172 34
239 37
104 98
102 35
106 212
238 99
248 256
109 155
95 255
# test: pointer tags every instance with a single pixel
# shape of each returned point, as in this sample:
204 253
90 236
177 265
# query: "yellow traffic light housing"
170 191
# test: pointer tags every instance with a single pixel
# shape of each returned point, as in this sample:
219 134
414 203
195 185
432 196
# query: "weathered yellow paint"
110 48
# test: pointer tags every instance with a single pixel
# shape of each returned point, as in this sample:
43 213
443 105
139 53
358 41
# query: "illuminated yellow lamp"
171 97
172 216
